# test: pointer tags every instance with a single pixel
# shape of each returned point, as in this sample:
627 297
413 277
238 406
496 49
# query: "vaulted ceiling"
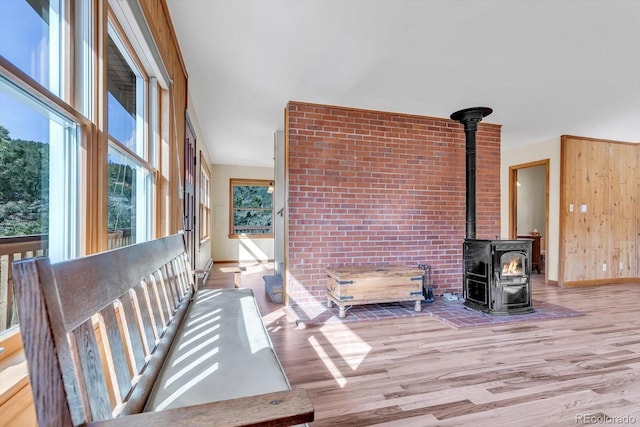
546 67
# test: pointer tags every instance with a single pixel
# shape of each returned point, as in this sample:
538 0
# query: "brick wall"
369 187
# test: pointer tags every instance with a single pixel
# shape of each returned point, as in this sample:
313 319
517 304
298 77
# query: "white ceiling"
546 67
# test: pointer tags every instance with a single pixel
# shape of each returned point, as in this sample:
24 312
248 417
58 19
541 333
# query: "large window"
39 148
130 173
61 139
41 136
251 208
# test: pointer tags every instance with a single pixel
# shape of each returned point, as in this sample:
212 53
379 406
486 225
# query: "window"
53 196
205 200
39 148
129 207
251 208
41 135
129 204
125 98
31 38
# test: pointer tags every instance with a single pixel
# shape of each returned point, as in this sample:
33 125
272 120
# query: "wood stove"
497 276
497 273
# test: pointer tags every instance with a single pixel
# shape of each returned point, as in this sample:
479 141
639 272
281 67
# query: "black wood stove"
497 276
497 273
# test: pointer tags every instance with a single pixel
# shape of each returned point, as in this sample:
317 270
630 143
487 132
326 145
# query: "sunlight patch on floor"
326 359
347 343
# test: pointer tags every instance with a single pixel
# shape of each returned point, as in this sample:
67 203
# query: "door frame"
513 202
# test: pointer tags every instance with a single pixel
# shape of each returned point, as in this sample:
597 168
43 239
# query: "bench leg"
237 277
418 306
342 312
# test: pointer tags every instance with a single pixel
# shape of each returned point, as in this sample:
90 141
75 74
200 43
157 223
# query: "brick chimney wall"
370 187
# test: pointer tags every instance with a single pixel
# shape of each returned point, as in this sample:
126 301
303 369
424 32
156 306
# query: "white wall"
547 149
223 248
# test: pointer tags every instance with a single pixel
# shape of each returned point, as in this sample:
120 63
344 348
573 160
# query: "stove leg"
418 305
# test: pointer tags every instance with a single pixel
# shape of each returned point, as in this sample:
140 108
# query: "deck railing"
13 249
21 247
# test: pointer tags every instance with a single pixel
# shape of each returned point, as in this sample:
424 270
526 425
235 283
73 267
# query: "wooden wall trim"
574 284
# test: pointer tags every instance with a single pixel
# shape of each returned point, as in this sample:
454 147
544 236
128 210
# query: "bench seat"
223 351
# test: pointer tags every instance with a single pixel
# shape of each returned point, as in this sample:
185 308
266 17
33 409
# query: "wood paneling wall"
171 183
602 177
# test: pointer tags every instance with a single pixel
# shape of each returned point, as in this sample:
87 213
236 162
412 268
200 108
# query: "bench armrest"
282 408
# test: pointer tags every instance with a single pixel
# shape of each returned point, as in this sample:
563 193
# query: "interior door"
190 192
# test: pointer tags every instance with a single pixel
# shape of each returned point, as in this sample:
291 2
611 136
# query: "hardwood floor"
422 372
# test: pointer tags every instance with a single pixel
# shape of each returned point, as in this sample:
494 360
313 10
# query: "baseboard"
599 282
230 261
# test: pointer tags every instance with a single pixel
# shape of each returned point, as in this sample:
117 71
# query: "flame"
512 267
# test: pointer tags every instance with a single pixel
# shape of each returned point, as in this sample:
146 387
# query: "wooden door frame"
513 202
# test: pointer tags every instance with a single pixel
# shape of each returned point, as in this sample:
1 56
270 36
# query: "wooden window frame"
247 182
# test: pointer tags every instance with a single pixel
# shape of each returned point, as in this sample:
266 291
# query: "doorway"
189 220
529 205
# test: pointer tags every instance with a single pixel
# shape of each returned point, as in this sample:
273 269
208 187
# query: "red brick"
369 187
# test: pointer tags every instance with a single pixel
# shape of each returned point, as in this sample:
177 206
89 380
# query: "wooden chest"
373 284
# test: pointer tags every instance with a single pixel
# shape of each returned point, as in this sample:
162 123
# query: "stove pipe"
470 117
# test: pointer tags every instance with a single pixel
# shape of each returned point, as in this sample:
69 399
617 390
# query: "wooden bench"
122 338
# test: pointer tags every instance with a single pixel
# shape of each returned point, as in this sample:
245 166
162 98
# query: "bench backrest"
96 329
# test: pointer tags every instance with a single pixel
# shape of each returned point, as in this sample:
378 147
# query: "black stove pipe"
470 117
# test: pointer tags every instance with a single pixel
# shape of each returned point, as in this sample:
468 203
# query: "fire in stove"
513 267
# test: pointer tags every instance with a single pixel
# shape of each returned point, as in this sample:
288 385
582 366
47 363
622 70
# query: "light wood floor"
421 372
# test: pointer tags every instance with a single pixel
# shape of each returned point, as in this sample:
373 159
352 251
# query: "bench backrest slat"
103 326
172 294
154 306
118 362
133 338
148 328
164 293
162 316
95 383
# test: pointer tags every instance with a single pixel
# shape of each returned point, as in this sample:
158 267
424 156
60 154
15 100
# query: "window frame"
148 92
248 182
85 138
204 198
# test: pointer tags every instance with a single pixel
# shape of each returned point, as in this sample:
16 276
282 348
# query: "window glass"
31 39
129 200
125 108
129 203
205 199
38 158
252 208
